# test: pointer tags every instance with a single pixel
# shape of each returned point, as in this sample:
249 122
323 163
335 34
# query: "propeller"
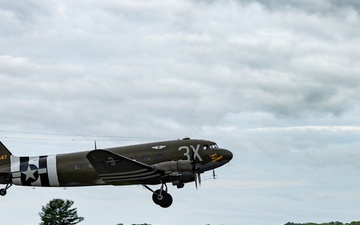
197 179
197 176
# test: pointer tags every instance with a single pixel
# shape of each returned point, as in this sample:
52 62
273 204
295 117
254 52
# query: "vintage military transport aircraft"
177 162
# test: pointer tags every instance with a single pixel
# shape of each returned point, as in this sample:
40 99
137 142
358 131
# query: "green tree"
59 212
330 223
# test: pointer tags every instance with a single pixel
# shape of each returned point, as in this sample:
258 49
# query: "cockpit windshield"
212 145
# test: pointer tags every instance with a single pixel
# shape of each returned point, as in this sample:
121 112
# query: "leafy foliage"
59 212
291 223
330 223
135 224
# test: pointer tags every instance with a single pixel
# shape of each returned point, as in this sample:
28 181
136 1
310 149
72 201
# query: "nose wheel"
161 197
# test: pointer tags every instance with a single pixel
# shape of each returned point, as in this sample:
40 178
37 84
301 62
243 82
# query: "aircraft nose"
227 154
217 157
222 155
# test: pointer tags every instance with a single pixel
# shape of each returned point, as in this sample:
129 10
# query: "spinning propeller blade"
197 177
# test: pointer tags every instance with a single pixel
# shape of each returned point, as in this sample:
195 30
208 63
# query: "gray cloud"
208 69
320 7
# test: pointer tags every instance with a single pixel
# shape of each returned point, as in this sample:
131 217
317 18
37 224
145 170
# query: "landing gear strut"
161 197
4 190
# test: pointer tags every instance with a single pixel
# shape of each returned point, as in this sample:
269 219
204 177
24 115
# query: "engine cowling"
177 172
175 166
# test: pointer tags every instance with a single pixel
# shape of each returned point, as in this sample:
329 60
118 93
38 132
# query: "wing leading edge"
119 170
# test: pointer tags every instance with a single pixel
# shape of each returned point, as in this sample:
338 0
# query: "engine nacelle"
175 166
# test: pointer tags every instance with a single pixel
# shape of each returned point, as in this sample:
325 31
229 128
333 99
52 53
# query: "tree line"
60 212
329 223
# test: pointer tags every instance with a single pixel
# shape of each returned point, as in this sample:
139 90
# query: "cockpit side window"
210 145
214 146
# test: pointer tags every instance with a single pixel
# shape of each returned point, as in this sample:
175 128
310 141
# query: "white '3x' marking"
195 151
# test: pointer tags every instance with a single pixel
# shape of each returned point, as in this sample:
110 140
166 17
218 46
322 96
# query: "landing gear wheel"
168 202
2 192
162 198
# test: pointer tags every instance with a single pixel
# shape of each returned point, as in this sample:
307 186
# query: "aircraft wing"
119 170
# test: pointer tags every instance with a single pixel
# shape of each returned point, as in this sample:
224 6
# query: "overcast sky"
275 82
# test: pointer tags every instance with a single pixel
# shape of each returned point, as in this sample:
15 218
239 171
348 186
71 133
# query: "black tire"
2 192
168 201
157 198
164 200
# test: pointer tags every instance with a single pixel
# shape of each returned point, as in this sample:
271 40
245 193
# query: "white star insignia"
29 173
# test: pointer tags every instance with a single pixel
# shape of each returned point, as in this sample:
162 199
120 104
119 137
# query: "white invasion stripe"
52 171
131 179
15 168
15 162
125 173
128 176
34 160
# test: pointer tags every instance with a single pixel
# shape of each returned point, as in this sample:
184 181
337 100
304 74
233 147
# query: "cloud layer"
276 82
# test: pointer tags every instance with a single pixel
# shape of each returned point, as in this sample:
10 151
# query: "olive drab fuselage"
153 163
